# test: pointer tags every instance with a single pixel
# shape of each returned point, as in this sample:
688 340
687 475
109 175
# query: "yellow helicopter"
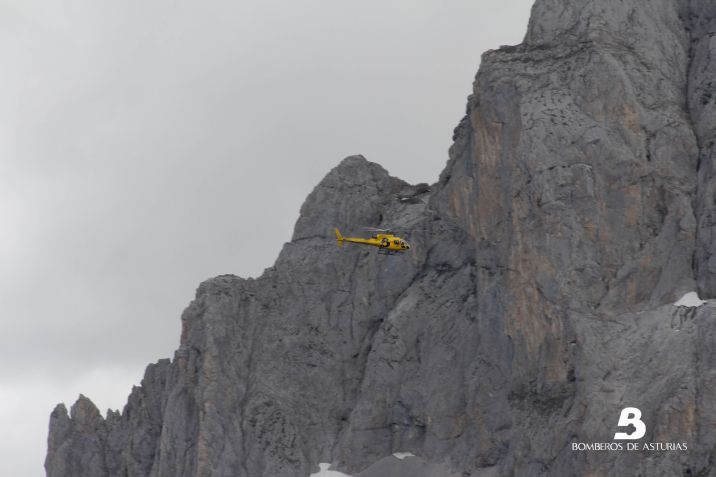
387 243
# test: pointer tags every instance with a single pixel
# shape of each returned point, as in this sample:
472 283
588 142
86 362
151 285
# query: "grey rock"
75 445
365 189
407 467
702 109
577 204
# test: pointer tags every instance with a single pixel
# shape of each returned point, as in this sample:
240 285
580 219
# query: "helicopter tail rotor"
339 238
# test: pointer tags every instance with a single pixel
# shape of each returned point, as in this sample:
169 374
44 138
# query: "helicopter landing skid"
387 252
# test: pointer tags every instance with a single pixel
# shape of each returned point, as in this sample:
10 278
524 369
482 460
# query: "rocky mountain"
578 203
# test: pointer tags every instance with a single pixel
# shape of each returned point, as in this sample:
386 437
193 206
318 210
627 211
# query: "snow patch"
324 472
403 455
690 300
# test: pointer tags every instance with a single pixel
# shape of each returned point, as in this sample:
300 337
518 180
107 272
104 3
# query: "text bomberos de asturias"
630 446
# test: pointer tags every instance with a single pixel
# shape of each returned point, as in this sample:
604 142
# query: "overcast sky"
145 144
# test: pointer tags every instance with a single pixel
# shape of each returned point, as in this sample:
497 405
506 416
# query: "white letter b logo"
631 416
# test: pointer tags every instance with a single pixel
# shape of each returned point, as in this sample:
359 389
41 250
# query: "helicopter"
385 240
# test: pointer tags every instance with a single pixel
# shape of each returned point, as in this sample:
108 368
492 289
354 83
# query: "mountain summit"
578 204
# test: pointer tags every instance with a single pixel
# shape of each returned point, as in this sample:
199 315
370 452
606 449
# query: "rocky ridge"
578 203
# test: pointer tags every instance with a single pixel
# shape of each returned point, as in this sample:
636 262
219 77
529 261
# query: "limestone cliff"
578 203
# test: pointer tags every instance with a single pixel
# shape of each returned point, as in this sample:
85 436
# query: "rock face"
578 203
